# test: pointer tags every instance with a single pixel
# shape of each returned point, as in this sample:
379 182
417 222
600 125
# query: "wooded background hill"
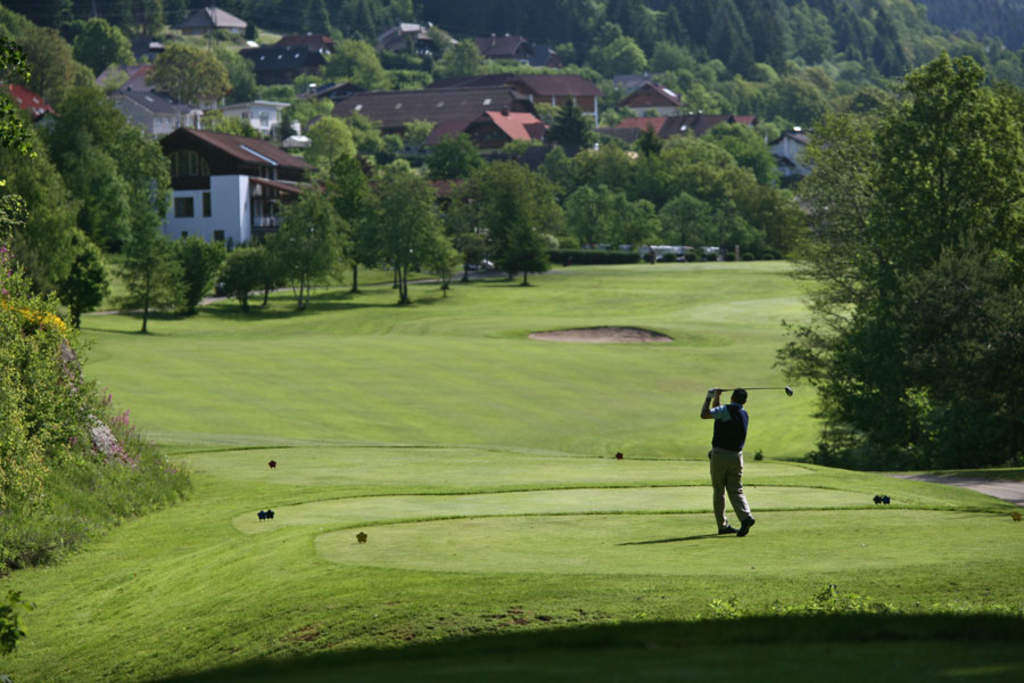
1003 19
885 36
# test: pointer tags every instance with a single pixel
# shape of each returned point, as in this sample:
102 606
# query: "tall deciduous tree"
87 283
45 239
200 263
329 139
455 156
151 273
916 251
515 208
358 62
99 44
408 223
461 59
242 273
307 243
190 74
348 188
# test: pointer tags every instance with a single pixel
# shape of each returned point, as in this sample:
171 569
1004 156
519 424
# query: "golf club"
788 390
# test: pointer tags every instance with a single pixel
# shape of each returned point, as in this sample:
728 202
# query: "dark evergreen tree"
729 40
571 130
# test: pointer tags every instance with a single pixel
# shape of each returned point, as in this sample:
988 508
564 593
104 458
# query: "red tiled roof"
516 125
29 101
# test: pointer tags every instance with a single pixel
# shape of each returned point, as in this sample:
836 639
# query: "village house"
156 113
650 97
393 109
228 188
262 115
492 129
553 89
630 129
407 37
209 19
514 48
289 58
788 152
27 100
125 78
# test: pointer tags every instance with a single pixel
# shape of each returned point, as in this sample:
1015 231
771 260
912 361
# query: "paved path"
1012 491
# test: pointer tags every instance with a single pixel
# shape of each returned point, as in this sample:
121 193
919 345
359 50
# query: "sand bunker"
602 335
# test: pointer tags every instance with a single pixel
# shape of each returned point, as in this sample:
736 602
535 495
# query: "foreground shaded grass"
806 648
500 526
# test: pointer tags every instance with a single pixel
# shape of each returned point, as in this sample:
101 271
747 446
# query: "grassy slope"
479 463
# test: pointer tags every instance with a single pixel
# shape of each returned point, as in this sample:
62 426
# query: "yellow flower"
40 318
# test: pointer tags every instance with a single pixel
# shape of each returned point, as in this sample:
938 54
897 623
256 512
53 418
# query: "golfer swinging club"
726 457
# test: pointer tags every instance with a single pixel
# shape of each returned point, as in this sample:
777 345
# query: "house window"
184 234
207 208
187 162
218 235
184 207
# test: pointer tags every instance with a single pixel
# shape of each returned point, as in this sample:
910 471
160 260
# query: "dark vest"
731 435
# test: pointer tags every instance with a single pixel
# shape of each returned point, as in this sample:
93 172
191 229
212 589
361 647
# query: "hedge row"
592 256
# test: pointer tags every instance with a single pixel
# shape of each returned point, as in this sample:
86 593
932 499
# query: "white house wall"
229 211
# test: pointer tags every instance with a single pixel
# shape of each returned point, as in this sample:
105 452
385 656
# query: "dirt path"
1012 491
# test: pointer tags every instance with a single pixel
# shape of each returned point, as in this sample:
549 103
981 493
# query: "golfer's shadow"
673 540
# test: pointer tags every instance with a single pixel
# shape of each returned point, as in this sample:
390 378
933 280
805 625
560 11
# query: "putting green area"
882 540
503 537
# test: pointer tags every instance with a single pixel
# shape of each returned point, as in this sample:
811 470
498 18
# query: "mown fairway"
504 540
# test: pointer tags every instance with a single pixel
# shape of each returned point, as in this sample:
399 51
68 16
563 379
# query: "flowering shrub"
69 463
41 404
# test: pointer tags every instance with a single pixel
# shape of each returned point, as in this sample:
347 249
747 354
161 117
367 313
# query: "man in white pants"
726 456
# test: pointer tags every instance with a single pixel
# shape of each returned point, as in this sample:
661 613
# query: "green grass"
503 537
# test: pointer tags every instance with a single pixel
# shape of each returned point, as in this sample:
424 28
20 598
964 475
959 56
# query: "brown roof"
551 85
545 85
137 76
481 81
212 17
698 124
277 184
503 47
247 150
651 95
393 109
311 41
449 128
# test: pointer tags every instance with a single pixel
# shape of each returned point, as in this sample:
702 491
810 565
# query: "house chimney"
504 110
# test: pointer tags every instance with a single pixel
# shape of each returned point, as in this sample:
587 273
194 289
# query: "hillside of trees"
884 37
1003 19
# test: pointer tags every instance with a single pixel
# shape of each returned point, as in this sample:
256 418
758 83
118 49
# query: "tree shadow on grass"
320 302
792 648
